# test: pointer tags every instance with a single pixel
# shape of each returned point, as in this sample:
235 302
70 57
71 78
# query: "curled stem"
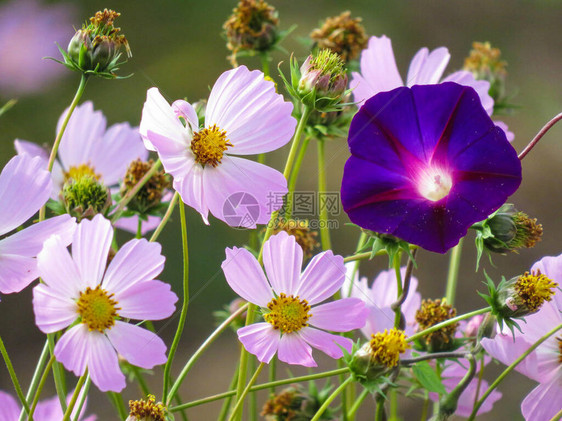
166 217
539 136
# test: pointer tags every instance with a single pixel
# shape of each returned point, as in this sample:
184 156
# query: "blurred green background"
177 46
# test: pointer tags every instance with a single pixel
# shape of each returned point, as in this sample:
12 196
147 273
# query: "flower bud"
295 404
252 27
525 294
150 194
431 313
95 48
147 410
323 75
299 228
485 64
83 195
342 35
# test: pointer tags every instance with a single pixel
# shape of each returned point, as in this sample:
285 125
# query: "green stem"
323 188
131 193
510 368
453 275
166 217
393 405
253 404
226 404
40 386
75 395
54 150
362 256
83 398
294 176
260 387
143 386
36 376
330 399
58 373
202 348
273 372
448 404
237 410
117 401
425 407
557 417
139 228
438 326
13 376
265 63
183 315
398 309
379 414
357 404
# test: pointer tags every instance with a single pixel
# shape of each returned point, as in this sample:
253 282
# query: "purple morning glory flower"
427 162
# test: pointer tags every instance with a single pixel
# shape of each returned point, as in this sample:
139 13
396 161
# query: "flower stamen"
97 309
147 410
534 289
434 184
288 313
387 346
80 171
209 144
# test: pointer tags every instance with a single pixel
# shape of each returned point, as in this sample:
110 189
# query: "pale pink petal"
378 70
427 68
82 135
237 176
9 408
24 187
90 249
148 300
138 346
103 364
329 316
185 109
58 270
72 348
321 279
261 340
245 276
544 402
29 241
16 272
255 117
53 311
326 342
121 145
159 118
482 87
378 319
130 224
294 350
504 349
282 259
508 134
137 261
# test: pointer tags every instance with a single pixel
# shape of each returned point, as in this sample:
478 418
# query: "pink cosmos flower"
89 146
293 321
544 365
24 188
244 116
79 287
46 410
379 297
29 30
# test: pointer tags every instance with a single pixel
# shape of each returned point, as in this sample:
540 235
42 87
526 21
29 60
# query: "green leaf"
428 378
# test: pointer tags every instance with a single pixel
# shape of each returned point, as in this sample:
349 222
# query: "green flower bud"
85 197
325 75
525 294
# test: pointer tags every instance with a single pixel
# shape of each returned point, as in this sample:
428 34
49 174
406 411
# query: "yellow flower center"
209 144
434 183
534 289
76 173
97 309
147 410
387 346
432 312
289 314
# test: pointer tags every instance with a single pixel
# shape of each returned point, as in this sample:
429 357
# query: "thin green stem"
557 417
331 398
510 368
357 404
139 228
265 63
143 386
448 404
40 386
117 401
453 275
131 193
293 178
83 398
379 414
393 405
183 313
13 376
226 404
438 326
210 339
425 407
260 387
58 373
166 217
35 379
273 371
397 273
323 188
237 410
253 404
54 150
74 397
